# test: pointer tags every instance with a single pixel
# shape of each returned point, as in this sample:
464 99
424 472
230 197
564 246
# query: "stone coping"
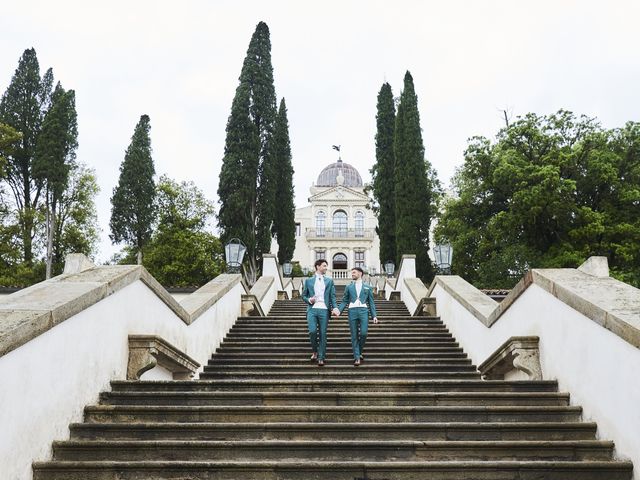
32 311
416 288
261 287
610 303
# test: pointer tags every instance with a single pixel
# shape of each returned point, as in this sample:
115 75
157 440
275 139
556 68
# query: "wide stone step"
370 350
339 470
332 399
450 431
383 320
288 336
336 373
399 362
344 366
345 385
364 450
384 414
341 356
345 342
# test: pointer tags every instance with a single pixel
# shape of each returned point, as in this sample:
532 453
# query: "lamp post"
305 271
234 253
287 267
373 271
389 268
443 255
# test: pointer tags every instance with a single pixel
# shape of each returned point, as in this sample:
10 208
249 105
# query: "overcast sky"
179 63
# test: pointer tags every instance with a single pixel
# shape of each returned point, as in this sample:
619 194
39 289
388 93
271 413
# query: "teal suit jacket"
366 296
309 290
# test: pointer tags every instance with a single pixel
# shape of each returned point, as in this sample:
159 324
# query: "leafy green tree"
415 183
77 229
133 202
383 174
8 139
549 192
182 251
54 158
284 225
23 107
247 180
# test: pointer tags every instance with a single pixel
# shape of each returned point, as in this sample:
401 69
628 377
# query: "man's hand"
375 319
312 300
335 312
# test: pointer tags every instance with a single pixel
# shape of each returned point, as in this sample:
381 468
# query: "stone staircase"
415 409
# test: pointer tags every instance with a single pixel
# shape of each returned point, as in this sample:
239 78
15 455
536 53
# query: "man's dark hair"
358 269
319 262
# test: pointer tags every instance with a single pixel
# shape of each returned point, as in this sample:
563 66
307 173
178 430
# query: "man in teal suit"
359 297
319 293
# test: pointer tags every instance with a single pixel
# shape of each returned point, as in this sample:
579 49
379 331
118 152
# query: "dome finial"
337 148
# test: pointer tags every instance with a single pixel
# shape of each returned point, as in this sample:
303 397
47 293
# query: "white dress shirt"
319 295
358 303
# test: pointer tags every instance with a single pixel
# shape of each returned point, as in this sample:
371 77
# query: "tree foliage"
415 184
133 209
550 191
383 174
23 107
284 224
247 180
54 158
182 251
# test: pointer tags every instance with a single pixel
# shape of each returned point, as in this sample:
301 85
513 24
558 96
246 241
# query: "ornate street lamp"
287 267
305 271
389 268
443 255
373 271
234 253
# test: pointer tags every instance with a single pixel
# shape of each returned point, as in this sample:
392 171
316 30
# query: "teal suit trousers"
359 327
317 321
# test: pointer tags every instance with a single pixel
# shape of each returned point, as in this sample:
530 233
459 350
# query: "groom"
319 293
359 297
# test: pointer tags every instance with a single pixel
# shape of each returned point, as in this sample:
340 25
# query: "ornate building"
336 225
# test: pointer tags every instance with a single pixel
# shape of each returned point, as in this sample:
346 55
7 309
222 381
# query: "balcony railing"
346 233
340 274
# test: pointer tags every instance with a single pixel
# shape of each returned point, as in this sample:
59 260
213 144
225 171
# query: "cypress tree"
383 173
54 157
412 183
284 225
247 179
23 107
133 202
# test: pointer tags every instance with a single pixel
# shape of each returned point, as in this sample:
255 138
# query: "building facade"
337 225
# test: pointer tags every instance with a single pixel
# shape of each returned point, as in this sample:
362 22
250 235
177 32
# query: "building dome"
329 175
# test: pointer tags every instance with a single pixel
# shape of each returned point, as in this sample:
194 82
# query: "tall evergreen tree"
247 180
413 186
133 209
383 173
23 107
54 157
284 225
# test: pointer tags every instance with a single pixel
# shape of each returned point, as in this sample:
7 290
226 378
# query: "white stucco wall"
599 369
47 381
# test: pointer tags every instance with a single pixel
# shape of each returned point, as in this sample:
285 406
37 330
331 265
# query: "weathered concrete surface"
202 299
145 351
261 287
605 300
30 312
517 353
479 304
596 266
76 263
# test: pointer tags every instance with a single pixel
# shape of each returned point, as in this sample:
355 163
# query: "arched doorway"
339 261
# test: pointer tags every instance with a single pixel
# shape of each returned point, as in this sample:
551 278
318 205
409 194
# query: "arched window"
340 223
321 219
339 261
359 224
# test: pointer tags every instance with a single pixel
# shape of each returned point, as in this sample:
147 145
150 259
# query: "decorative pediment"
339 194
